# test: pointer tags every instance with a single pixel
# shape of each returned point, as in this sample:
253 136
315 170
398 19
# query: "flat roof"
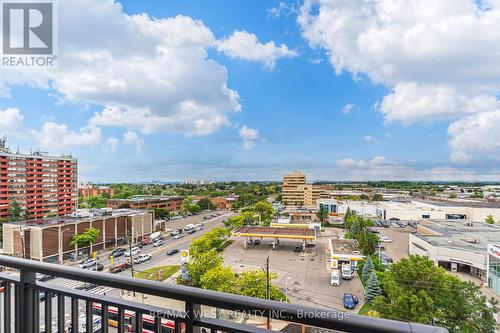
472 204
461 234
345 246
137 199
50 221
275 232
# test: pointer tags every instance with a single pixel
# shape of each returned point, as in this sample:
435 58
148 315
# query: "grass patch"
364 309
153 272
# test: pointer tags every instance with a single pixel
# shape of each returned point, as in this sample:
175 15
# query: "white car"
142 258
135 250
157 243
178 236
385 240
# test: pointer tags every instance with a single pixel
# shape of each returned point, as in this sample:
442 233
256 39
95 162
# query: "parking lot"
398 248
303 277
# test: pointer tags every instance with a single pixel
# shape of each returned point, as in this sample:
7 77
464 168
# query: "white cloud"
371 139
56 136
282 9
379 168
157 70
347 108
475 137
439 58
112 144
11 120
245 45
249 135
132 138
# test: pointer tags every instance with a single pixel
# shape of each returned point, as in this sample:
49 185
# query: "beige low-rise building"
49 239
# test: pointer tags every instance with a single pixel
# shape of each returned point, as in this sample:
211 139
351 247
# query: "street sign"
185 256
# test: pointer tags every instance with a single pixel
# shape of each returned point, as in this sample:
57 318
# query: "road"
159 258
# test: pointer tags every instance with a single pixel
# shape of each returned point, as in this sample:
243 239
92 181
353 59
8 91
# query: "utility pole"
131 255
268 291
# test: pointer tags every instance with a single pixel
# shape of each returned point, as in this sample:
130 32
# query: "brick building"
170 203
40 184
91 190
48 239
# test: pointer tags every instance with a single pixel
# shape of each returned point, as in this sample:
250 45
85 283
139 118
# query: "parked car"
46 277
142 258
375 231
159 242
97 267
178 236
87 286
117 252
134 251
350 301
89 262
191 231
256 241
119 267
172 252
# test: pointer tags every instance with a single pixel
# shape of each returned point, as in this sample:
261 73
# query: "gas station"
304 235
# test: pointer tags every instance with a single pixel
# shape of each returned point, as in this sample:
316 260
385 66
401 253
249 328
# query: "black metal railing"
22 294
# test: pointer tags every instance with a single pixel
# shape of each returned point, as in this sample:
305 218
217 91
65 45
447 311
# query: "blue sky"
336 101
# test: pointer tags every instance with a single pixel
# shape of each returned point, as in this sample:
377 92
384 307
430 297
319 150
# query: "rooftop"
276 232
97 214
461 235
345 246
148 198
462 203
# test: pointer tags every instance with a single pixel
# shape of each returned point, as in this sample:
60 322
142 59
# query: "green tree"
186 205
201 263
15 211
245 218
355 229
264 210
414 289
211 240
220 278
87 238
489 219
253 283
368 268
372 289
378 197
194 209
368 242
161 213
322 214
206 204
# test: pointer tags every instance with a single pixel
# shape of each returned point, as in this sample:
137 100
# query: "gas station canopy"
273 232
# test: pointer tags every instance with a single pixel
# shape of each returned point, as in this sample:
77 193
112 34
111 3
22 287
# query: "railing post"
26 298
192 312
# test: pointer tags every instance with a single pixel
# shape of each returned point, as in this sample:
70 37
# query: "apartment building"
42 185
297 192
91 190
170 203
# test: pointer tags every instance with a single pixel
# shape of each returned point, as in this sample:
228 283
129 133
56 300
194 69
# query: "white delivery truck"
335 278
346 271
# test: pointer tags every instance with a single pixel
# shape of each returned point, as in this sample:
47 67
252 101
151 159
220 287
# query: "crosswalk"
71 284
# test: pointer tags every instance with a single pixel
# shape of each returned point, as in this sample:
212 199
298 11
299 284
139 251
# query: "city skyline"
252 91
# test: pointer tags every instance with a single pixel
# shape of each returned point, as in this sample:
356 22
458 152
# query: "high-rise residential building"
42 185
297 192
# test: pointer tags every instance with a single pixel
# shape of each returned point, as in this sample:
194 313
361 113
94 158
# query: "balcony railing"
22 293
